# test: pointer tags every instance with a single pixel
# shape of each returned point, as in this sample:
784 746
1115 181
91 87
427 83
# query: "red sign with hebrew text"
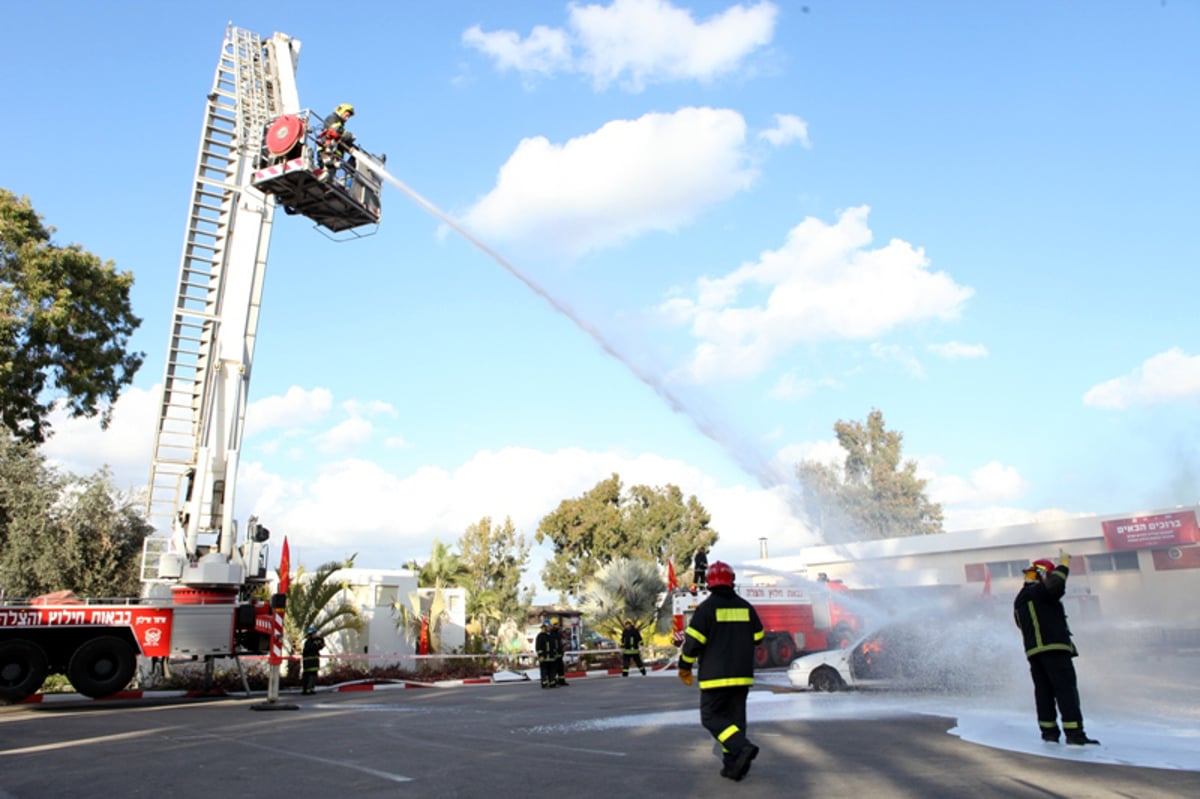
1147 532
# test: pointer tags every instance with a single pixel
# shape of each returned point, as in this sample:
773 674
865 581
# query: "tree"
654 524
65 323
315 600
60 532
494 557
873 494
624 588
670 527
444 569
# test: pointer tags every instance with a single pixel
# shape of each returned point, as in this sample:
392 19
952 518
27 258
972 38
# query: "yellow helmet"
345 109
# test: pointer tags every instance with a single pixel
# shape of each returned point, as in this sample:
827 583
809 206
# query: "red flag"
285 568
672 582
987 581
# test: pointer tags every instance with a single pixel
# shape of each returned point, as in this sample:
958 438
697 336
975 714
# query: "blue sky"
979 218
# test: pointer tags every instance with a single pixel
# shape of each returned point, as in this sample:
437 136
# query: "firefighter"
556 635
631 648
545 654
334 140
1039 613
700 568
722 635
310 660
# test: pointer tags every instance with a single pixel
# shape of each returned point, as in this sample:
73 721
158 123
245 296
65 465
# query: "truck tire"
23 668
762 656
783 651
102 666
840 636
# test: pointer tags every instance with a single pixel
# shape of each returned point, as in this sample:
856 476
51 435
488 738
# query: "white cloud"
369 408
898 354
635 43
296 408
953 350
544 52
988 485
345 436
824 283
1166 377
357 506
127 447
788 128
628 178
792 386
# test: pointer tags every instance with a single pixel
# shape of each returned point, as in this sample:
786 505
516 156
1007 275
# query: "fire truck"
795 621
201 575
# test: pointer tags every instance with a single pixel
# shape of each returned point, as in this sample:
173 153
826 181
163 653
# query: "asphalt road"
599 737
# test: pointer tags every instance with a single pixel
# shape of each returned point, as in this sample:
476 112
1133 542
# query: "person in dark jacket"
559 649
547 665
310 660
722 635
631 648
335 140
700 568
1039 612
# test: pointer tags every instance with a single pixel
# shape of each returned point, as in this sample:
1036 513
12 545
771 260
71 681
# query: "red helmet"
719 573
1044 565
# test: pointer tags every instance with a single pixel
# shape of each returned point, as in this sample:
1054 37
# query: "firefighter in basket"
335 141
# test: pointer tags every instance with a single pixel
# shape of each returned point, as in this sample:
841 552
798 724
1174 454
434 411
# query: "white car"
944 654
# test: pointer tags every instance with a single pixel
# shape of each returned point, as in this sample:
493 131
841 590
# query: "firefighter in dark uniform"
631 648
1039 613
335 139
545 654
722 635
560 668
700 567
310 660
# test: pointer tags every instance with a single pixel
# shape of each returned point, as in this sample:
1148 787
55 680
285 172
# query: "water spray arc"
760 468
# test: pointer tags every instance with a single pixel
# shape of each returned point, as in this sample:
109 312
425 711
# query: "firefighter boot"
1079 738
742 764
1050 736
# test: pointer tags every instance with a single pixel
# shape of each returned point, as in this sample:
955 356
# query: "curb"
530 675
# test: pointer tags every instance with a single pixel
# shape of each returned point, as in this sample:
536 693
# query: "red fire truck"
795 620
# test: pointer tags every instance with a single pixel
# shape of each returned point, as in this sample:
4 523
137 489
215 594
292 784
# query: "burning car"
942 654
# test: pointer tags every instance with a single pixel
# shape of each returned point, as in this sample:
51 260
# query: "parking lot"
598 737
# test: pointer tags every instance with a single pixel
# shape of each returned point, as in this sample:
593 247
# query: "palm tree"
411 618
315 600
623 589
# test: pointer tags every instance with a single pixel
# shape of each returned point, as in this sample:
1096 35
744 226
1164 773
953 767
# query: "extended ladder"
210 348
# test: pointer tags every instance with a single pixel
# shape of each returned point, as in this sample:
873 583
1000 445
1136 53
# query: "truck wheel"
762 656
840 636
102 666
23 669
783 651
826 679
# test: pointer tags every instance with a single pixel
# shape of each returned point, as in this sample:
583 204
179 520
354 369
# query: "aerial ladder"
258 148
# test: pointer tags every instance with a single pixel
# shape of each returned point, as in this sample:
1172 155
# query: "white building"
1141 568
377 594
